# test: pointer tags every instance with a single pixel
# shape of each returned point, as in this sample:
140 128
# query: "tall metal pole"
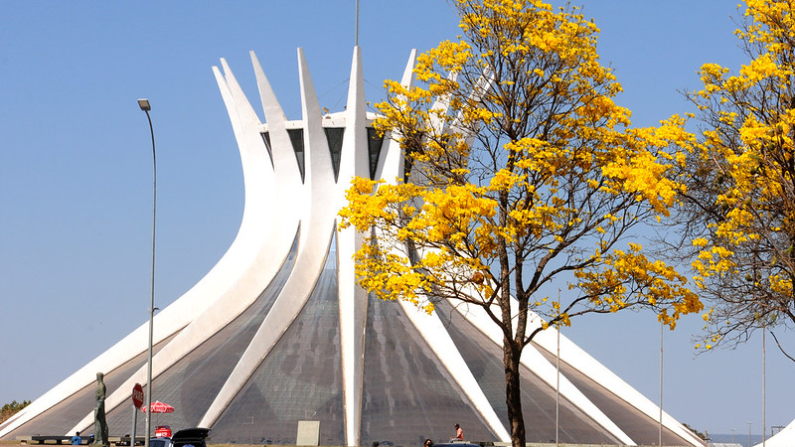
144 105
764 394
557 394
134 426
557 387
662 326
356 38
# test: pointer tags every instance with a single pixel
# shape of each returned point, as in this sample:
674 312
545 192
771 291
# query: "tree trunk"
513 393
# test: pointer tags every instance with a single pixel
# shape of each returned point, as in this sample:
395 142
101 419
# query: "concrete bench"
85 440
47 439
125 440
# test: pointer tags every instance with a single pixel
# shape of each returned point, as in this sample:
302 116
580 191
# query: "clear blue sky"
75 168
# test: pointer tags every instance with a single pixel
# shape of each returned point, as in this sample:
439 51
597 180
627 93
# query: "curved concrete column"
583 362
352 299
391 163
267 238
539 365
432 330
232 271
317 226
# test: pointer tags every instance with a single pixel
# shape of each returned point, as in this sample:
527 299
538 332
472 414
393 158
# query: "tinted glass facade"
300 379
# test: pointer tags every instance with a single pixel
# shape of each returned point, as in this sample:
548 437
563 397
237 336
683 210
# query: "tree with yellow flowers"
740 204
522 176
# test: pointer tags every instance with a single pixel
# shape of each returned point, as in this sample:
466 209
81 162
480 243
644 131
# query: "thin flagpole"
356 40
557 389
662 326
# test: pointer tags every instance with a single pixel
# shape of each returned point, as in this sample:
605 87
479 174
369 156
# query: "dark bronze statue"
100 425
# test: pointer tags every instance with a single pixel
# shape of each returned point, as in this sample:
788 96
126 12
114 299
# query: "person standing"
76 439
459 434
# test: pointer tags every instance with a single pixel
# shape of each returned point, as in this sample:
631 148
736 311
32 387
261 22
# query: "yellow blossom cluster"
518 159
748 149
741 178
652 282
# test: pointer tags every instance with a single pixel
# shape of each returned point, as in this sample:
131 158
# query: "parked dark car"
188 437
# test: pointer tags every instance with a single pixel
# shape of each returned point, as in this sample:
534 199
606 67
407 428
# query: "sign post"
138 400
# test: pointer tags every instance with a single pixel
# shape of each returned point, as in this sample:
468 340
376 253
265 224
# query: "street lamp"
144 105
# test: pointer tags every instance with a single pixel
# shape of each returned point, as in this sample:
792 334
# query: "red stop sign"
138 395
